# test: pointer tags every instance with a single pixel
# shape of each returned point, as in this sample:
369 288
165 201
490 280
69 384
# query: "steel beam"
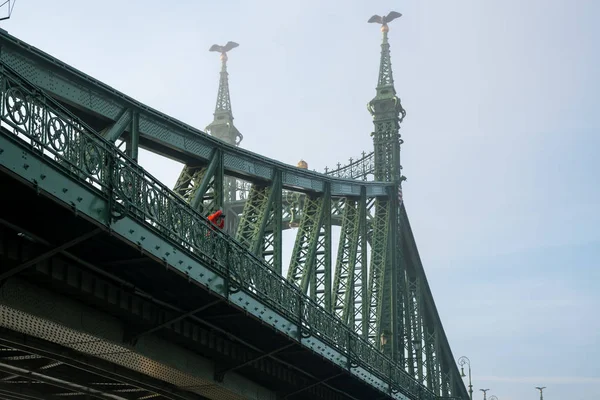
136 336
322 381
49 380
220 373
117 129
19 392
133 142
92 364
48 254
159 132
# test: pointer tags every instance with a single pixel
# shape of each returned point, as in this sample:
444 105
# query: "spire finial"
385 20
222 126
387 111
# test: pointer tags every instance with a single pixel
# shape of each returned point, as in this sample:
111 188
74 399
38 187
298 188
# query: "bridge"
114 286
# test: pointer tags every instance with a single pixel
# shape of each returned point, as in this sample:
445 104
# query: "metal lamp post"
484 393
462 361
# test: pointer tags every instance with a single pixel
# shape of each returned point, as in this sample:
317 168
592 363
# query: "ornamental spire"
387 111
222 126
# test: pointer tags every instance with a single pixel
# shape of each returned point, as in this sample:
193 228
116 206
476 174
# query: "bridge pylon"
205 187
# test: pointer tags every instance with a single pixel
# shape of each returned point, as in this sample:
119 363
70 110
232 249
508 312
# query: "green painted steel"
378 294
45 144
158 132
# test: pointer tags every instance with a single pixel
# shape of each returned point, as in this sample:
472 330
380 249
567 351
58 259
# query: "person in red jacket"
217 218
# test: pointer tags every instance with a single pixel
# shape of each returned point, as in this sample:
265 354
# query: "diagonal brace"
118 127
49 380
138 335
49 254
210 171
220 374
13 391
313 385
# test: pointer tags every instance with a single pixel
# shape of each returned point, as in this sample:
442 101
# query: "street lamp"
541 389
462 361
484 393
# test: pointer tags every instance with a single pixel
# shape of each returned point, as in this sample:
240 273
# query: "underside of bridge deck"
36 369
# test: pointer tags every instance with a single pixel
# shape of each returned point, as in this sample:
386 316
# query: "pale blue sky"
500 149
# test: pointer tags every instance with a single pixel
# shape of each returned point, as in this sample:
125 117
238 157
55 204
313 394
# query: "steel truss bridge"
114 286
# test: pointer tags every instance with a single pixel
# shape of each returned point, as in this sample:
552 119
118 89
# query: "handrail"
41 123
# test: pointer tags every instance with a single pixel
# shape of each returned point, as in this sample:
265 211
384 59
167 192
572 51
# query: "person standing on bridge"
218 219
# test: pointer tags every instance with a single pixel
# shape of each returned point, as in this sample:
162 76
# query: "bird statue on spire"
223 49
384 20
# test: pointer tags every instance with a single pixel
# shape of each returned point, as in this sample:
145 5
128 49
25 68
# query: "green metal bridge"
114 286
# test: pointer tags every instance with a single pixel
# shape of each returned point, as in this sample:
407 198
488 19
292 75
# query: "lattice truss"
353 282
374 248
26 375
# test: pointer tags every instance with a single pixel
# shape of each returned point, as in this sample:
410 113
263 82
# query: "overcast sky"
501 140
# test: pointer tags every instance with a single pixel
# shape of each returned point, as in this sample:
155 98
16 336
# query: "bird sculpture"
385 19
223 49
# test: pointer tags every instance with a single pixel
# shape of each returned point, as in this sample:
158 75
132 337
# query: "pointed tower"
206 188
222 126
384 310
387 112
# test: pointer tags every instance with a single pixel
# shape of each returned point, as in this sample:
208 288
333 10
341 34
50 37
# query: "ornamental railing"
361 168
38 122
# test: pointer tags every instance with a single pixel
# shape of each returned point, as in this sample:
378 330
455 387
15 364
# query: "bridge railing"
360 168
40 123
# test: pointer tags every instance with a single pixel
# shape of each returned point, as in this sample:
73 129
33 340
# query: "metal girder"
321 271
202 187
117 129
134 338
378 270
272 242
260 224
254 217
387 267
316 384
18 392
346 261
439 367
50 253
96 366
361 277
77 388
220 373
302 265
162 133
133 142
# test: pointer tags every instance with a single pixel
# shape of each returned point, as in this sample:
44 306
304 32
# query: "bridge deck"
150 240
107 281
